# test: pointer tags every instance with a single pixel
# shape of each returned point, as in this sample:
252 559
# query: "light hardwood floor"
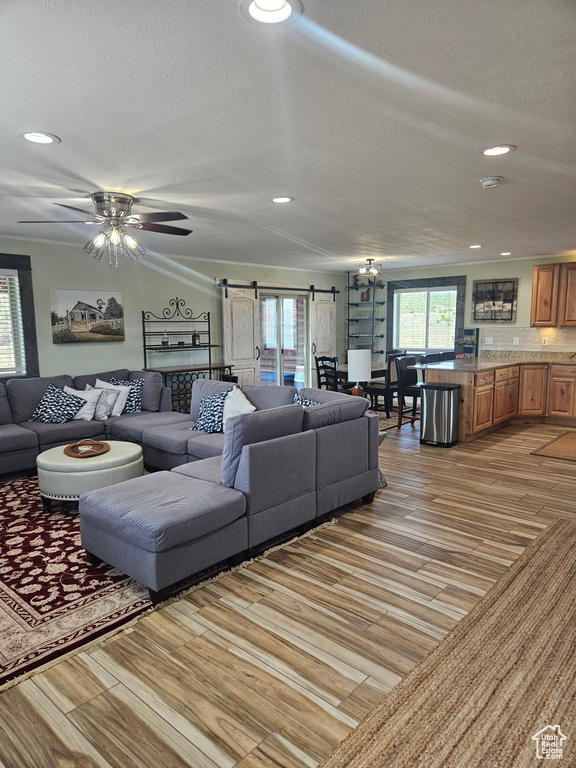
273 665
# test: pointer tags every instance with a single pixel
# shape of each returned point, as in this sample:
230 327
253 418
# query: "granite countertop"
475 364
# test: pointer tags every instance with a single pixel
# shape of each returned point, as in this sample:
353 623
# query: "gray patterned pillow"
211 412
56 407
105 403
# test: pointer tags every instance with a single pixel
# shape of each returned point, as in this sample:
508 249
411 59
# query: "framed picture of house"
494 300
86 316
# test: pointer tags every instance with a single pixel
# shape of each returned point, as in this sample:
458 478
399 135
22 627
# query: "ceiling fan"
114 212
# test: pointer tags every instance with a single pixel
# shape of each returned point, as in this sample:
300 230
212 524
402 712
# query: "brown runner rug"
504 675
562 447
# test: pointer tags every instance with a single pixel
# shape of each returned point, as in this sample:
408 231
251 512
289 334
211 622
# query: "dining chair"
431 357
327 372
447 356
407 387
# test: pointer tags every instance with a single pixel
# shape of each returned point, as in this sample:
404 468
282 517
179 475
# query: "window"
18 351
425 313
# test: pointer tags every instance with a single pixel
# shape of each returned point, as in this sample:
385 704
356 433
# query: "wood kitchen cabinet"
505 394
533 390
553 295
562 391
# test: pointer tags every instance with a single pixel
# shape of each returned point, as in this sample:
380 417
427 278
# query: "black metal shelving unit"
365 314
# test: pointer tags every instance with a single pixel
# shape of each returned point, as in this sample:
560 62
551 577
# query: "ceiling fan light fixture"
39 137
114 241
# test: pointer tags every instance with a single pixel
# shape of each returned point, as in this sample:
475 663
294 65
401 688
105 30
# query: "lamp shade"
359 365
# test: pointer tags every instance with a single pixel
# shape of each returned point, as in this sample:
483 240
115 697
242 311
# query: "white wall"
148 284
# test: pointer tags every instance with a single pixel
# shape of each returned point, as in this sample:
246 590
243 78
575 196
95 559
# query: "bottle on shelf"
195 339
165 340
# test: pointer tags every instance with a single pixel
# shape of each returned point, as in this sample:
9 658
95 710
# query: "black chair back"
447 356
327 372
392 353
407 376
431 357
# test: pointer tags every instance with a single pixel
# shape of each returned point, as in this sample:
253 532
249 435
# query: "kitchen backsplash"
543 343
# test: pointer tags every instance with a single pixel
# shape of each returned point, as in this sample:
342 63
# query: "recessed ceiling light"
475 246
270 11
39 137
497 149
281 199
506 253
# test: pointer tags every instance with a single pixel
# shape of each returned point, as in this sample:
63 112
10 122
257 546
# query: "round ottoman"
65 478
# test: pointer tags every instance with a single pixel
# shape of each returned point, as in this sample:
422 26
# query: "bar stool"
407 387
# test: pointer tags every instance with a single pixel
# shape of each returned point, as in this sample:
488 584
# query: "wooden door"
544 308
241 331
322 330
561 397
500 406
483 403
533 388
567 298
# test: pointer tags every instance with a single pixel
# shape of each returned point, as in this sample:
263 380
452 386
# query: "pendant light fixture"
370 268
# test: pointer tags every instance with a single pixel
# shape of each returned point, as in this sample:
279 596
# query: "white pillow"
86 413
236 403
106 402
122 396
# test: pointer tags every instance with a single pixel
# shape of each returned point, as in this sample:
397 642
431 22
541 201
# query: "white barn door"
241 331
322 330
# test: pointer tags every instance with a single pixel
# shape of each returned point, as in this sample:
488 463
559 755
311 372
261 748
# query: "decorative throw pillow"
304 402
210 413
235 404
106 402
134 402
123 393
86 413
56 407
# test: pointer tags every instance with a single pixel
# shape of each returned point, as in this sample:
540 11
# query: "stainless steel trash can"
439 418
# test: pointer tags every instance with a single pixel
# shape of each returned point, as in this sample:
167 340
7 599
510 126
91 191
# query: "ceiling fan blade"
71 208
50 221
159 216
162 228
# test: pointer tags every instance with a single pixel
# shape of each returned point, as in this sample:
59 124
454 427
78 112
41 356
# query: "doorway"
283 340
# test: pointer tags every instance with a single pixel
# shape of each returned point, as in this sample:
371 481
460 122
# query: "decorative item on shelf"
355 281
195 339
181 343
359 369
165 340
365 295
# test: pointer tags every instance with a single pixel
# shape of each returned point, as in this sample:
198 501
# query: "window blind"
12 352
425 318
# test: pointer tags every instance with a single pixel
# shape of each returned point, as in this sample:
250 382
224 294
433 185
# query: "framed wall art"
494 300
86 316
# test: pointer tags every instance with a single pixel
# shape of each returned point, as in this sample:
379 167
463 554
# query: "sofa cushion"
172 438
133 426
25 394
207 469
57 406
5 412
71 432
134 401
264 397
202 445
152 389
90 378
204 388
13 437
333 413
254 428
211 411
325 395
304 402
162 510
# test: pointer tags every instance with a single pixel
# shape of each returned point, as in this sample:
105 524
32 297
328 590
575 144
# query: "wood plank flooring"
271 666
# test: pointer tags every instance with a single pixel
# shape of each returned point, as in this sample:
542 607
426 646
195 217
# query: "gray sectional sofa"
281 468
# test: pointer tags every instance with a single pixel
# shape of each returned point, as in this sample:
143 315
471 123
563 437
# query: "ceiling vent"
490 182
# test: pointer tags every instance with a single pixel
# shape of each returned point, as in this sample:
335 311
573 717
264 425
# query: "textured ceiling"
370 113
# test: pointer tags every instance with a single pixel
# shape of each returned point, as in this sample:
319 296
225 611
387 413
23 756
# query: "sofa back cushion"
334 413
25 394
256 427
204 388
325 395
5 412
264 397
90 378
152 389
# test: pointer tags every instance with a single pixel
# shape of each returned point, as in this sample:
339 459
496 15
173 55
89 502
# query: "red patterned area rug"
51 600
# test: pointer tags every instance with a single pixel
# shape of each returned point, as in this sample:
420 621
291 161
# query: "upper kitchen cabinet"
544 308
553 295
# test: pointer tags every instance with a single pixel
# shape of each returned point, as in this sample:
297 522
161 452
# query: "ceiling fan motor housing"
114 205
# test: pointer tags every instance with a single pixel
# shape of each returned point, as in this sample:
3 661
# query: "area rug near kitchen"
562 447
51 600
499 689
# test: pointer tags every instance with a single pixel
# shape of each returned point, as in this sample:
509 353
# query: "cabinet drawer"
501 374
563 371
513 371
483 379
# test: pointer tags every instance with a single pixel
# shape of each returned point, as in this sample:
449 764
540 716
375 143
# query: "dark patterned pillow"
56 407
304 402
134 402
210 413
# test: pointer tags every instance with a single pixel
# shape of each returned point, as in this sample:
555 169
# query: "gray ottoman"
163 527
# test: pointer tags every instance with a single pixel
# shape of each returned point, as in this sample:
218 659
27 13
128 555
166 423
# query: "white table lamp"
359 368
